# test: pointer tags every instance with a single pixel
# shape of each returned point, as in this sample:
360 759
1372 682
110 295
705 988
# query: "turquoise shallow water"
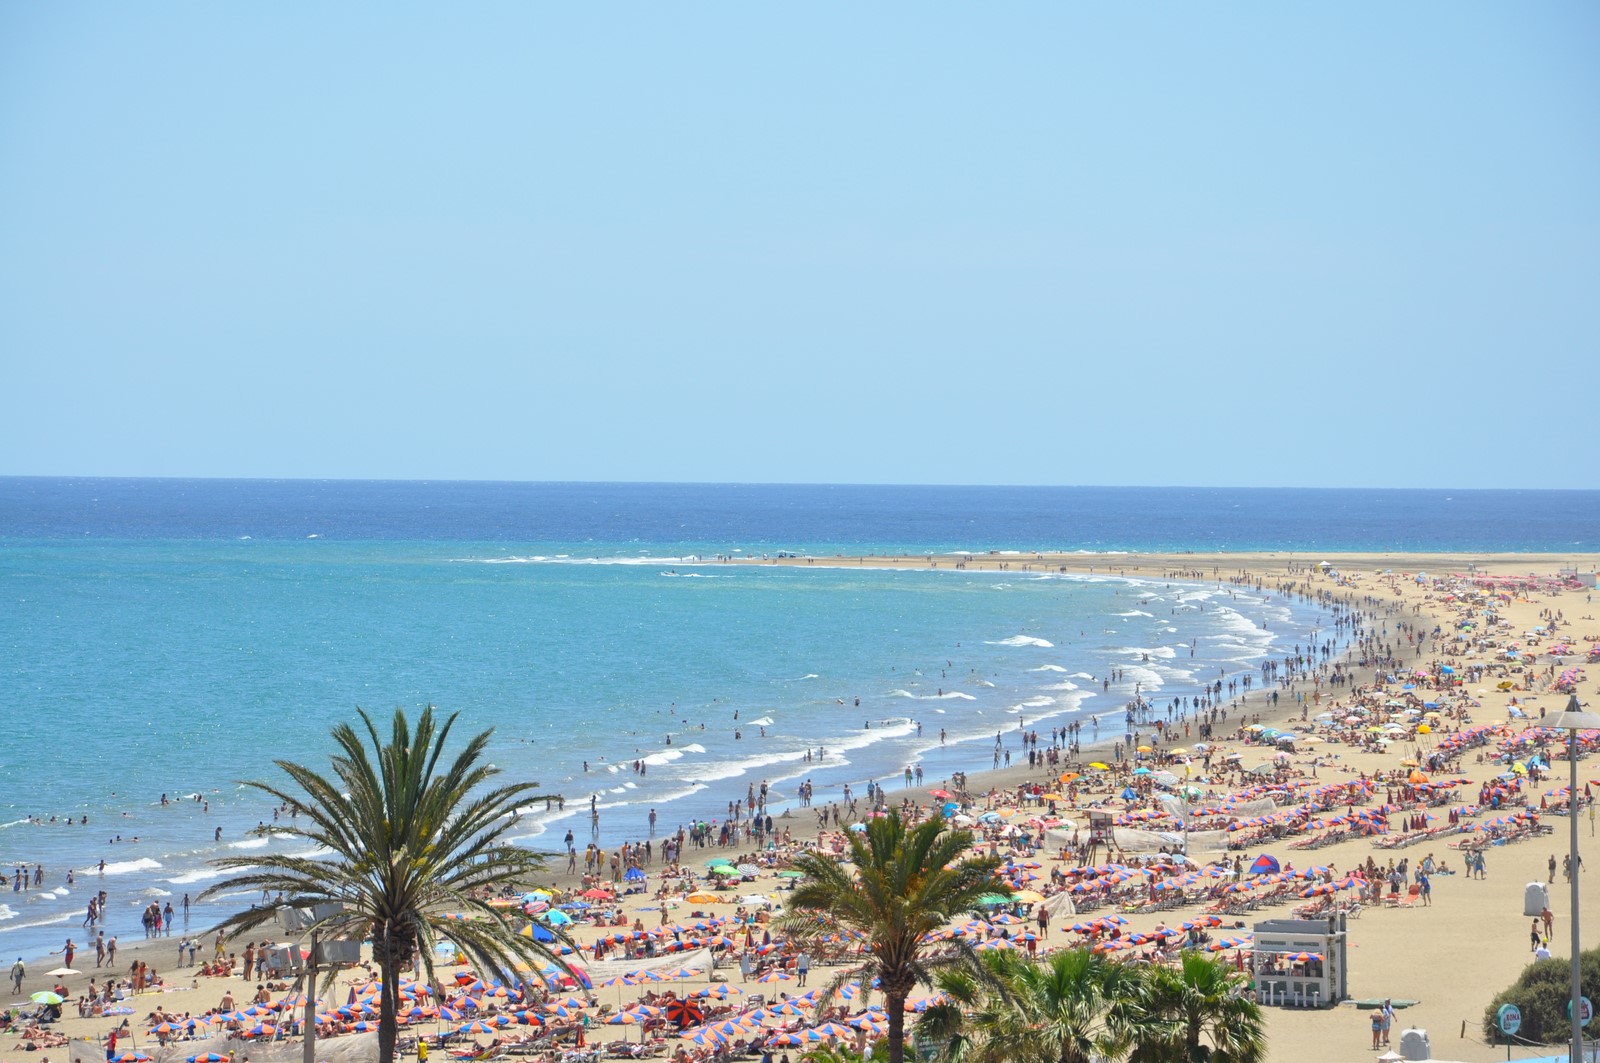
179 638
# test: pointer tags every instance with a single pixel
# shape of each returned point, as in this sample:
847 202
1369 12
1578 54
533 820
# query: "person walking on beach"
18 971
1552 867
802 967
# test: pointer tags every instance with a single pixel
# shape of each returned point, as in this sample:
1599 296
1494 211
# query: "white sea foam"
1148 678
664 756
1065 684
249 843
53 921
1048 668
1038 702
765 721
1024 640
1137 612
946 696
1161 652
189 878
802 679
732 769
152 891
316 852
1082 675
123 867
7 912
537 831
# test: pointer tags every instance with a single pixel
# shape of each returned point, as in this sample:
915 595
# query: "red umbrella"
684 1013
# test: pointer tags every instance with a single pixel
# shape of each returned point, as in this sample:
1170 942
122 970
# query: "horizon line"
769 483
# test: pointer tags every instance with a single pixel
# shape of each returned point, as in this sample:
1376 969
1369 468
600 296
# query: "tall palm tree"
1072 1006
407 838
1202 1006
900 884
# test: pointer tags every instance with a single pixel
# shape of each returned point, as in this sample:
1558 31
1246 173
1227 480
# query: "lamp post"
1573 720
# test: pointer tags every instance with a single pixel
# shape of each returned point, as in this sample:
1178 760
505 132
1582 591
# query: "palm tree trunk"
897 1025
387 1027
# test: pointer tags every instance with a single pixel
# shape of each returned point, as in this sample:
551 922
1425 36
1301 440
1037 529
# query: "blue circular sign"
1509 1018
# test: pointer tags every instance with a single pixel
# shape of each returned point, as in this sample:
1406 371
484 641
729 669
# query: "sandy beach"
1450 956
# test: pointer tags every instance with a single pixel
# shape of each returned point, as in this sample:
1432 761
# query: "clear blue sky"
1235 244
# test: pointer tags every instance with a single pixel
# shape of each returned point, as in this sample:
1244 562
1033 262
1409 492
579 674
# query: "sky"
1232 244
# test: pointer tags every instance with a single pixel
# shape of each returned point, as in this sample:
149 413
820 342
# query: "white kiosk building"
1300 963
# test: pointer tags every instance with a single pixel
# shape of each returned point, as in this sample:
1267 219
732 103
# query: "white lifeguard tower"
1301 963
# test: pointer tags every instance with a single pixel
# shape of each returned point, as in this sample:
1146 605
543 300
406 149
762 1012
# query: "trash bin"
1535 898
1414 1044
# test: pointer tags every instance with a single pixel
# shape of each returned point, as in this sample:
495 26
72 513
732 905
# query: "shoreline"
1276 575
1451 957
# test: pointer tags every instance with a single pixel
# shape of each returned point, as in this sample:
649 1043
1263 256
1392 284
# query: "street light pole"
309 1052
1573 720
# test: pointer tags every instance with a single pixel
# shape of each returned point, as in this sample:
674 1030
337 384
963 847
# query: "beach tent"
1265 865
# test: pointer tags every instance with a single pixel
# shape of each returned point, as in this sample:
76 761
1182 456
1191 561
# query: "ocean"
173 637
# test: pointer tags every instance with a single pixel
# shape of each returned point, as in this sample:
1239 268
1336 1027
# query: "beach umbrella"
684 1013
46 997
1098 766
61 972
208 1057
475 1027
1264 865
128 1057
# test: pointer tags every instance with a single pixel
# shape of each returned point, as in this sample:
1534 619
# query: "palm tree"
1202 1006
907 882
407 839
1072 1006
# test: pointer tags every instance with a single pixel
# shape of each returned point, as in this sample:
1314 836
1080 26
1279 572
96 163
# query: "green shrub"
1541 992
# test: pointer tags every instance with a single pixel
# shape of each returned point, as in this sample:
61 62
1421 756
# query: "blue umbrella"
634 875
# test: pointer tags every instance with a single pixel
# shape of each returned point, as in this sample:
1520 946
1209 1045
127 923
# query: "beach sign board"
1509 1019
1585 1011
